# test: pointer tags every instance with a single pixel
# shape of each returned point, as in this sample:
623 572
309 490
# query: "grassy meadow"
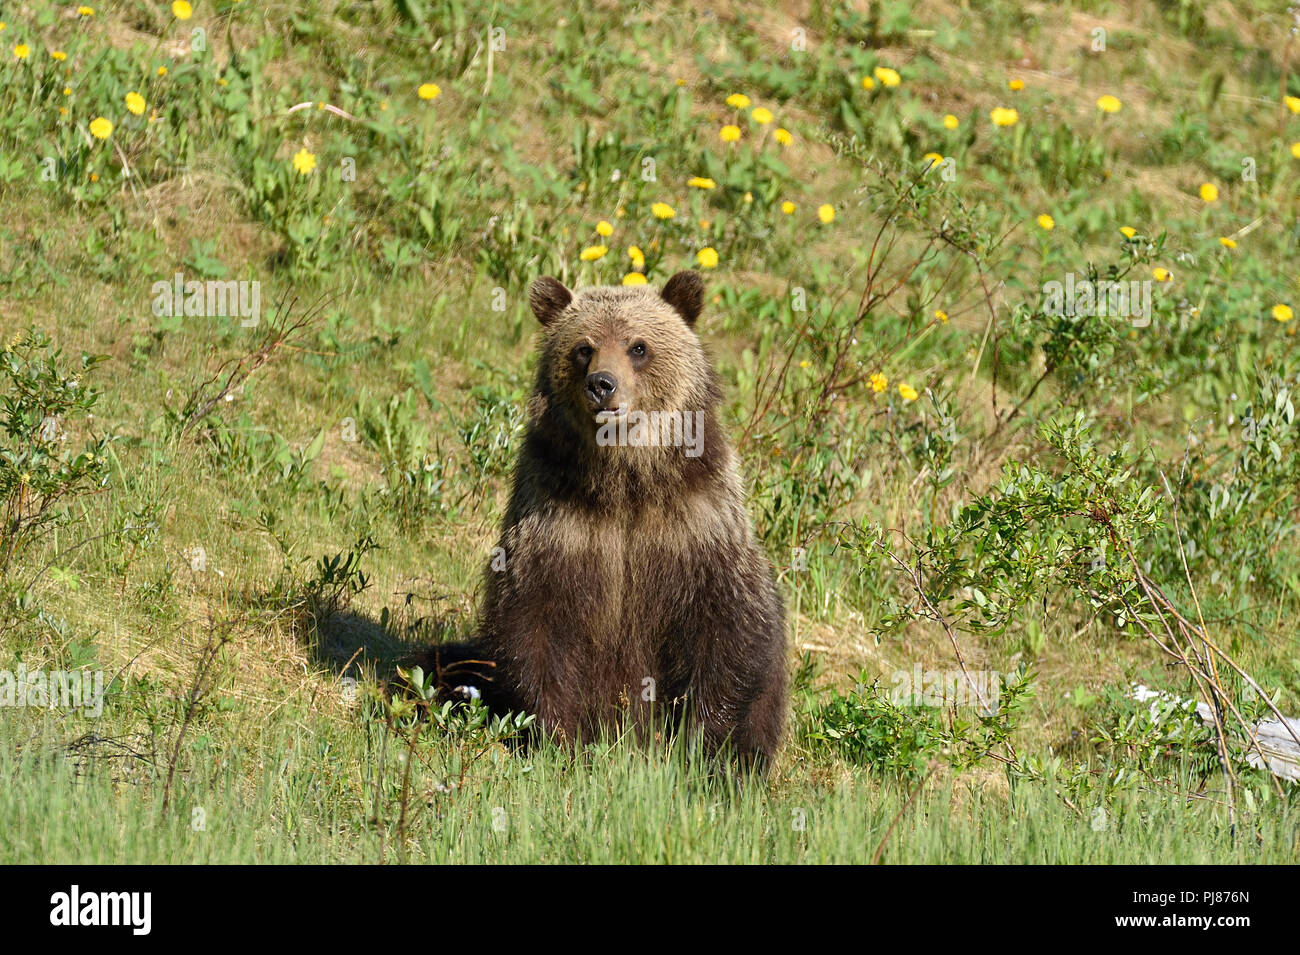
1003 297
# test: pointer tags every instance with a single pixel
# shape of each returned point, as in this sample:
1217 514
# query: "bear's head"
611 352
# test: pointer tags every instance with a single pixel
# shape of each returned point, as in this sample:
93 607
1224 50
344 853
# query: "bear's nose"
600 385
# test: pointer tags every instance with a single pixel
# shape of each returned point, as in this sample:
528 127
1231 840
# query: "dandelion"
634 278
162 71
738 100
1109 104
707 257
67 91
22 51
868 83
729 133
1282 313
1209 192
304 162
1295 150
593 252
1227 243
1004 116
135 103
603 228
1046 222
787 207
428 91
1162 275
181 10
58 55
637 256
941 315
749 198
662 210
1016 85
783 137
931 160
826 212
951 122
879 382
1292 103
908 392
701 182
85 11
886 76
762 116
1128 231
101 128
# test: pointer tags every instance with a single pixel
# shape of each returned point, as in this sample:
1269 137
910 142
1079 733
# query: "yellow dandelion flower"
1004 116
1295 150
593 252
85 11
1292 103
182 10
603 228
762 116
1227 243
749 198
931 160
729 133
1128 231
67 91
868 83
941 315
1015 85
637 256
879 382
1109 104
826 213
707 257
783 137
135 103
787 207
1282 313
428 91
634 278
58 55
662 210
162 71
951 122
1046 222
908 392
304 162
738 100
63 111
886 77
101 128
1162 275
701 182
22 51
1209 192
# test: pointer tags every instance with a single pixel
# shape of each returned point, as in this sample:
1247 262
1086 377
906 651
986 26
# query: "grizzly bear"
628 581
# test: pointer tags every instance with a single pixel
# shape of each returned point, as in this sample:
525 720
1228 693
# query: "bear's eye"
637 350
583 353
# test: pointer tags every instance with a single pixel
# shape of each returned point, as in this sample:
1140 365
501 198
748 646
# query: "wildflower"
1016 85
662 210
951 122
749 198
1295 150
1046 222
1109 104
162 71
603 228
1227 243
783 137
707 257
58 55
637 256
428 91
304 162
886 76
701 182
22 51
1004 116
729 133
1162 275
908 392
931 160
738 100
868 83
1128 231
1282 313
826 212
67 91
762 116
135 103
181 10
101 128
85 11
787 207
634 278
879 382
593 252
941 315
1209 192
1292 103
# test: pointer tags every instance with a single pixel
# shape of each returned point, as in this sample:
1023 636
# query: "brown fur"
628 564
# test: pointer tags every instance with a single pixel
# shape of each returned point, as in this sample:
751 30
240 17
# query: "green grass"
386 426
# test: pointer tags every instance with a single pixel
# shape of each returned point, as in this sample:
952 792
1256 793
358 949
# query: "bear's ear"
685 292
549 298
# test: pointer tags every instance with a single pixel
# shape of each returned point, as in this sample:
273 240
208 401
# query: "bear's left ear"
685 292
548 298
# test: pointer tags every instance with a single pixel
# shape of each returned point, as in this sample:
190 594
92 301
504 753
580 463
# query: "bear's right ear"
549 298
685 292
